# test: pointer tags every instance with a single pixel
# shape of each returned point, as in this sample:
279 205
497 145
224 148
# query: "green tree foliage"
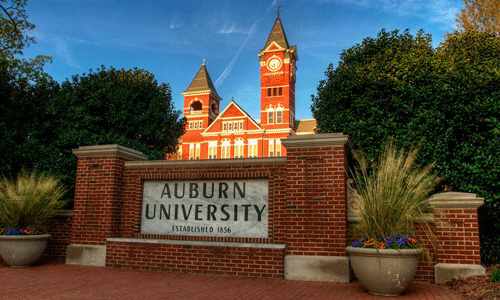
43 122
29 133
14 26
110 106
481 15
126 107
397 85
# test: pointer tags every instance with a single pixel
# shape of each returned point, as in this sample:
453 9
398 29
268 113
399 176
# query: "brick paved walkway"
59 281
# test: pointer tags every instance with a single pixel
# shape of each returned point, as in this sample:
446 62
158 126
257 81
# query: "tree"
397 85
482 15
110 106
43 121
14 26
28 132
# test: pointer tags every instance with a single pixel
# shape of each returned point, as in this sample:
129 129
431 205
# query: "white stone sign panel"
225 208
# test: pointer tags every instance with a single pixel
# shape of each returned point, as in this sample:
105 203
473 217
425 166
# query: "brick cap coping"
206 162
109 150
315 140
197 243
63 213
354 218
454 200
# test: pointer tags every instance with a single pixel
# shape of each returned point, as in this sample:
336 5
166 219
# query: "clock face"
274 64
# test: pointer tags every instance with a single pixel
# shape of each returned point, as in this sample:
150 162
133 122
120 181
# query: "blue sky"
171 38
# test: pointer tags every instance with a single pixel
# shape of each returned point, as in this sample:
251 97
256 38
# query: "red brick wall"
98 194
256 262
235 261
60 229
307 212
316 201
458 236
425 270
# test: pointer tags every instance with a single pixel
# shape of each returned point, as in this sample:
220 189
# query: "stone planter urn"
22 250
384 272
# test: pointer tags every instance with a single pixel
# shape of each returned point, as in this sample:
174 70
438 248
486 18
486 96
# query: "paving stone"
59 281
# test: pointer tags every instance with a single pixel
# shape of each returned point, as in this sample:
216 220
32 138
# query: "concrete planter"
384 272
22 250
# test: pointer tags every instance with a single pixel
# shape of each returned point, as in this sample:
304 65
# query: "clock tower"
277 75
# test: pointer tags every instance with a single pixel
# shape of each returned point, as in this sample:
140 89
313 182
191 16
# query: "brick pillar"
98 201
457 233
316 208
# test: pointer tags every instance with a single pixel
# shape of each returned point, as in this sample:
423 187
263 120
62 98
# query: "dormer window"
196 107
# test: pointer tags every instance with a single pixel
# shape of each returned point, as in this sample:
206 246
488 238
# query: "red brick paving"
59 281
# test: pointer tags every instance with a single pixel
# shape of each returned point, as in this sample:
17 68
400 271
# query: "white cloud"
231 29
174 25
250 33
445 13
61 49
274 4
59 45
436 11
348 2
229 68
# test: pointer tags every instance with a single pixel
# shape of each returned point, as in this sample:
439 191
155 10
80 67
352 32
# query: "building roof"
277 35
304 127
202 82
221 116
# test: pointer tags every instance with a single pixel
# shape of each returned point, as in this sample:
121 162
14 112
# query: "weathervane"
278 9
203 61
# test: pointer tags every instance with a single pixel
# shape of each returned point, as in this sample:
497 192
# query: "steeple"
277 76
277 35
202 83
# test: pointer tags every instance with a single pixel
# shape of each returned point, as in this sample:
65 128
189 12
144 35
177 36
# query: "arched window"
196 107
270 115
212 150
191 151
278 147
197 153
279 115
225 149
252 148
238 148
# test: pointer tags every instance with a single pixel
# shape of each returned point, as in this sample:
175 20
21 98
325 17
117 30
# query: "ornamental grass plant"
28 202
392 194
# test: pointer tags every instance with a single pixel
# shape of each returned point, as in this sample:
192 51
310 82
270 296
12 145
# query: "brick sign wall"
280 217
247 214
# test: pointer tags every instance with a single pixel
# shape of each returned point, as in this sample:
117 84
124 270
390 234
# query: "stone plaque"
226 208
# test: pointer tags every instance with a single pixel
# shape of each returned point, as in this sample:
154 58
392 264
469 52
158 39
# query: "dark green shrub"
397 85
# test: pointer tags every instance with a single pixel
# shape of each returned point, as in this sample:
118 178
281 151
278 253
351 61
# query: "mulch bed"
477 287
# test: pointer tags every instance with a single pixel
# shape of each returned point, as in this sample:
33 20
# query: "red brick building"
231 133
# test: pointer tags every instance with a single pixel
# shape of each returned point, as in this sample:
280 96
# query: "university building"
212 132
